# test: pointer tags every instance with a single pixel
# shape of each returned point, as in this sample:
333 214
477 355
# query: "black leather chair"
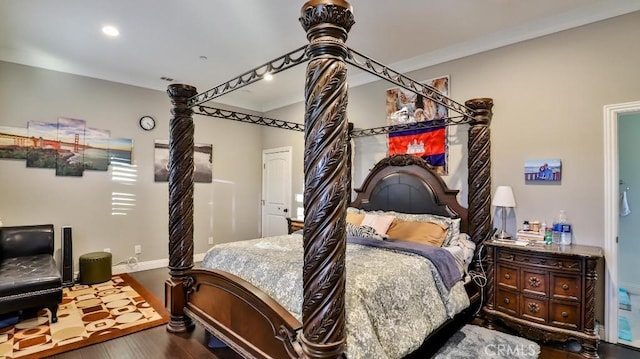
29 277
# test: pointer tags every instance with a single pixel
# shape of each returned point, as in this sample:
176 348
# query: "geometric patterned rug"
88 314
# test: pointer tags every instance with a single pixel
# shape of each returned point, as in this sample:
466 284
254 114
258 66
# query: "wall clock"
147 123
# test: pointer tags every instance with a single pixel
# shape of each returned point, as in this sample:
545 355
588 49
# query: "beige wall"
549 95
228 209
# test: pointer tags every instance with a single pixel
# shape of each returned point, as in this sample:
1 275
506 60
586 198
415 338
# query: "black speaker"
67 257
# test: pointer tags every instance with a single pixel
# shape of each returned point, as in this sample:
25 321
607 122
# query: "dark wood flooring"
157 343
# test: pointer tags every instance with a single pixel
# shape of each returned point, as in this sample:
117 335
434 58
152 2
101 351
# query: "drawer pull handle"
506 300
534 308
508 257
565 287
507 276
534 282
564 314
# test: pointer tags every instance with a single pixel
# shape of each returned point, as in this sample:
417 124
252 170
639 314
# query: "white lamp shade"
504 197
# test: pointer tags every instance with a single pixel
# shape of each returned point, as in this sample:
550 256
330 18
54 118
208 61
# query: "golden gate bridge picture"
67 146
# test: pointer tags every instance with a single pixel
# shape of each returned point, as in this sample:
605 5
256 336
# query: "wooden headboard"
407 184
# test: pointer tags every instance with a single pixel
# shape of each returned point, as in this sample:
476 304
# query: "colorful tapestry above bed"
405 108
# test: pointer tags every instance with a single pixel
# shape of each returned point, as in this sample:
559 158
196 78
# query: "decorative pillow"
362 231
452 223
421 232
355 218
379 222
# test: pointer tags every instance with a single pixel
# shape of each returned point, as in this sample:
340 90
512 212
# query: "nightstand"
544 292
294 224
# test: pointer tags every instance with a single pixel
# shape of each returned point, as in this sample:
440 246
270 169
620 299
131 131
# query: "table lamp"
503 198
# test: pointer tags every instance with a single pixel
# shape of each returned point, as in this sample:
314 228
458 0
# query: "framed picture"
549 170
202 162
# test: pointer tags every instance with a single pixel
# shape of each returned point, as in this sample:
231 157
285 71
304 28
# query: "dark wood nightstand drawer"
565 286
549 262
507 302
535 282
507 276
535 309
565 314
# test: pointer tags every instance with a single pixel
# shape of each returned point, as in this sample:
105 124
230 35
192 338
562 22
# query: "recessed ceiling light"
268 76
110 30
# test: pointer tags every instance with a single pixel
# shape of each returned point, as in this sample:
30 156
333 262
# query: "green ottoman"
95 267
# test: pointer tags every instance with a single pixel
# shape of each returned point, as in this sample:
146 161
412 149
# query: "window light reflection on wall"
123 172
122 203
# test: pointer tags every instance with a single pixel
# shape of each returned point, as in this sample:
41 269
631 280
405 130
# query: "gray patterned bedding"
393 300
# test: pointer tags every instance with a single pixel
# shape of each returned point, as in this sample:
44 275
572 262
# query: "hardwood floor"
157 343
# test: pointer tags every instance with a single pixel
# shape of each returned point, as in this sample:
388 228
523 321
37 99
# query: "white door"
612 217
276 191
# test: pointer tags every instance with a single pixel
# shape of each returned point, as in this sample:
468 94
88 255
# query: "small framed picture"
549 170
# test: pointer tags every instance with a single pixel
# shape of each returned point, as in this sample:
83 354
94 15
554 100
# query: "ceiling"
167 38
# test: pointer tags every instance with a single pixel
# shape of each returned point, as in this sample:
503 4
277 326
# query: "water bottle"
558 226
566 234
562 229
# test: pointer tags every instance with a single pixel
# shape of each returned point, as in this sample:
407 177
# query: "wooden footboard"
241 315
256 326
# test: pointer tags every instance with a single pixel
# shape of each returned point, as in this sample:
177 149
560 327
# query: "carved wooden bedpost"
327 23
348 190
180 205
480 168
479 180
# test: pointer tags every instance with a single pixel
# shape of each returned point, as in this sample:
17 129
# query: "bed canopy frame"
326 170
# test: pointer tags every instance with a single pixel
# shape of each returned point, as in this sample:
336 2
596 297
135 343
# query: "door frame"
289 151
611 213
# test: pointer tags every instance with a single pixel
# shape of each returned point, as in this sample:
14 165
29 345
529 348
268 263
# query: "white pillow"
380 223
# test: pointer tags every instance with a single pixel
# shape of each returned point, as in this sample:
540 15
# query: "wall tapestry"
202 162
406 108
67 145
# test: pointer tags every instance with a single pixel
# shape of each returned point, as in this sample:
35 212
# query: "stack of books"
530 236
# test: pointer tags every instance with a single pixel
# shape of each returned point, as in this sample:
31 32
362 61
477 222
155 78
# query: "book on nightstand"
530 236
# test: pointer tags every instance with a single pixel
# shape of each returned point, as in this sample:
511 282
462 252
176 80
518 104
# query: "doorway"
276 190
616 331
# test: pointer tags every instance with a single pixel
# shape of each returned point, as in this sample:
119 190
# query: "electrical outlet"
210 240
108 250
137 249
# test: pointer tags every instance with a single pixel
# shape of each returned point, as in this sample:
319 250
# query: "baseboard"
631 288
134 266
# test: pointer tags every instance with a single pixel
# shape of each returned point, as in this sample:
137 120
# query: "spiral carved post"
590 345
479 180
488 289
480 169
181 131
327 23
349 162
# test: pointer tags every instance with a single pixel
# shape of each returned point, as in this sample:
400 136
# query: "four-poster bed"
236 311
